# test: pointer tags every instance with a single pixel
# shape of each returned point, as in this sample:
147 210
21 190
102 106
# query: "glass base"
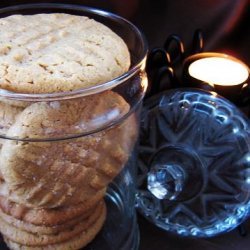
119 231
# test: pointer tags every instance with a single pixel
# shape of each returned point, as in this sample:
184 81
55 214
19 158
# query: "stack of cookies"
52 186
69 227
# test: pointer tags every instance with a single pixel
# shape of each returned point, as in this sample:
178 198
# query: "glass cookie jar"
68 151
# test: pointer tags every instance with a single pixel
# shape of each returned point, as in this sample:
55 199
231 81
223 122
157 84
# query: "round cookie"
15 103
44 230
61 173
8 114
65 53
77 242
33 239
49 217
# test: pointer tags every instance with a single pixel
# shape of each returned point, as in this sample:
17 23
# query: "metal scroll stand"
164 65
164 69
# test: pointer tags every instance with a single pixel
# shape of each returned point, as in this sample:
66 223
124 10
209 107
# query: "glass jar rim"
87 90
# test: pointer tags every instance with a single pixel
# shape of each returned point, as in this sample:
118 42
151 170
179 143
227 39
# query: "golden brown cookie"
8 116
65 118
37 239
44 230
49 217
15 103
63 173
65 53
77 242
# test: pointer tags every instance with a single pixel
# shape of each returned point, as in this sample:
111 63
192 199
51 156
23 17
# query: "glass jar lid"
194 163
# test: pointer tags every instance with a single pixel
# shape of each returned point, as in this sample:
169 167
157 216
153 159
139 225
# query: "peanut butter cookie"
51 174
65 53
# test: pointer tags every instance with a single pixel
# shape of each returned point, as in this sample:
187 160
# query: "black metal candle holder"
164 64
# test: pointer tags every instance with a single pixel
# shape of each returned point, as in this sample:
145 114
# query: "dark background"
225 24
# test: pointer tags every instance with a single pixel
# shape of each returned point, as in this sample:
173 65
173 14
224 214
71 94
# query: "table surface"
153 238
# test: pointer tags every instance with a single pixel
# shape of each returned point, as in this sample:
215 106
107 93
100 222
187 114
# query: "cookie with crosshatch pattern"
65 53
79 237
50 174
49 217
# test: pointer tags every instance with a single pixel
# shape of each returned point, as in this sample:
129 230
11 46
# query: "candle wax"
219 70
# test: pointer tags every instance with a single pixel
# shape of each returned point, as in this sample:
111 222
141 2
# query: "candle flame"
219 71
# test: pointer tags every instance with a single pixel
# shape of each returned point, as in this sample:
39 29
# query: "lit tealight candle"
224 73
219 70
